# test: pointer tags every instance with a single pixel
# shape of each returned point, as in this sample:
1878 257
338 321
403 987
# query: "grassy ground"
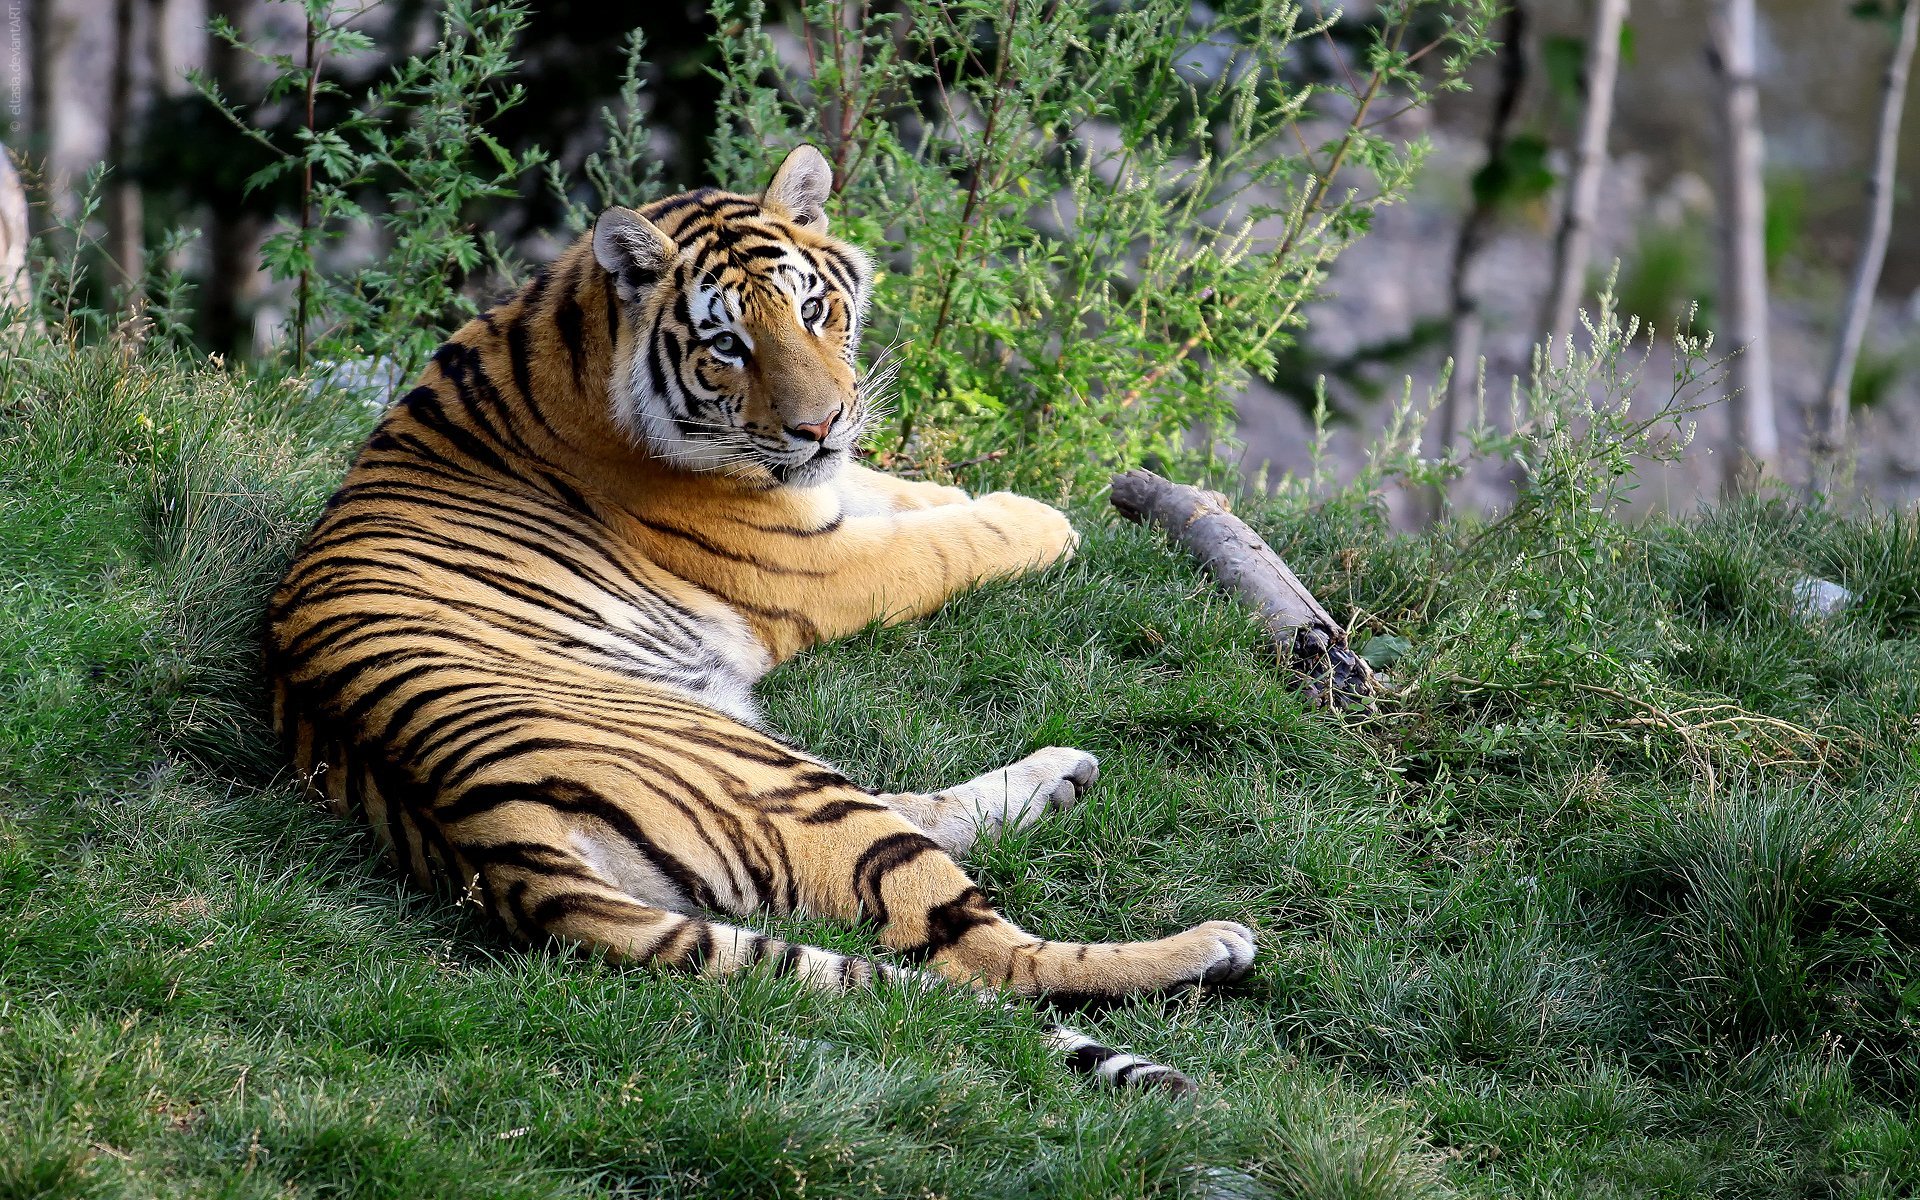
1618 896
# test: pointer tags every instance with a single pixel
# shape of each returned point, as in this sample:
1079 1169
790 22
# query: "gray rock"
1817 599
373 381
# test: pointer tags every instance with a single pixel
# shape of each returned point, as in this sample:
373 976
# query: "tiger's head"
742 324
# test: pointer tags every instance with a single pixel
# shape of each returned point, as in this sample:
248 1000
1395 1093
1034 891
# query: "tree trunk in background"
16 287
55 29
1830 422
1573 246
123 210
1755 444
23 133
1463 385
233 236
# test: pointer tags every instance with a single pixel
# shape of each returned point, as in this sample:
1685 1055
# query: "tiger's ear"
631 249
801 187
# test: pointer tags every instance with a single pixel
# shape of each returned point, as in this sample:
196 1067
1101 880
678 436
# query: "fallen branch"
1312 642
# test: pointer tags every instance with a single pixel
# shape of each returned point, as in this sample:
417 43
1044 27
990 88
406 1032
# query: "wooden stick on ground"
1198 521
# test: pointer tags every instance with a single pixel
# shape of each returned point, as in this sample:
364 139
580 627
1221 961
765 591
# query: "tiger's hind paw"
1211 953
1051 779
1236 951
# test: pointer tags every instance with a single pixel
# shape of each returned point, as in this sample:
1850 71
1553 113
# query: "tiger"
521 639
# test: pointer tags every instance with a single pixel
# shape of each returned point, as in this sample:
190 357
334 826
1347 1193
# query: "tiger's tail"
1115 1068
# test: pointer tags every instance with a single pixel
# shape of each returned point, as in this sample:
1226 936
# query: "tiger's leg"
1045 781
869 862
562 895
868 490
538 888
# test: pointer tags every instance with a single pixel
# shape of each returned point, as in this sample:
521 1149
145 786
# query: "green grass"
1619 896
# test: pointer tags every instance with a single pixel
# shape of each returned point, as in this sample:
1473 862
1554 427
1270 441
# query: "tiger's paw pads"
1236 952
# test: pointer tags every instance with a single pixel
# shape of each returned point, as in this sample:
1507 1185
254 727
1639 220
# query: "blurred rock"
1384 287
1817 599
1225 1183
372 381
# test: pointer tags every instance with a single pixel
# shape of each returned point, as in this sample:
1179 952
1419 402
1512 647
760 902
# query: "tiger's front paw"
1039 533
1216 952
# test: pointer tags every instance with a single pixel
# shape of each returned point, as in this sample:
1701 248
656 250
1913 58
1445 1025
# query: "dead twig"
1309 639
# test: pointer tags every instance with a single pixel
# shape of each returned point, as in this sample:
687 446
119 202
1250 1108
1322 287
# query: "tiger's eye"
726 344
810 311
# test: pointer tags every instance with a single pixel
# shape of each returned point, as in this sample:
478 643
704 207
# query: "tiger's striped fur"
521 639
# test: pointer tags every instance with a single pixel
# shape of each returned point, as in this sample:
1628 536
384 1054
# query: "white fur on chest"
717 666
737 660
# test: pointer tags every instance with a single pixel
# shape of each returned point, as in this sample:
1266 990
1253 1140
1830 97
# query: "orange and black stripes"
522 638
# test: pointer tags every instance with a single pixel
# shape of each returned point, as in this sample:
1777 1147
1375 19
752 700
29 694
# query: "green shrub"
1088 240
1093 222
419 139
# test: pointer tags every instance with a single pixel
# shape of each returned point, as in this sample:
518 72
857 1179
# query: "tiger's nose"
818 431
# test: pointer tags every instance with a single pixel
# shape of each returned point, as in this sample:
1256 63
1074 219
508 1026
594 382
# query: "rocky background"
1391 290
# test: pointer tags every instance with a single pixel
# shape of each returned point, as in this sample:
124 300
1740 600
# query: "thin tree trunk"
1573 246
1755 444
24 90
32 133
233 236
1830 422
1468 325
16 286
303 288
123 210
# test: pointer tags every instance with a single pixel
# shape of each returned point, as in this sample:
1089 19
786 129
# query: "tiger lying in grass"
523 636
